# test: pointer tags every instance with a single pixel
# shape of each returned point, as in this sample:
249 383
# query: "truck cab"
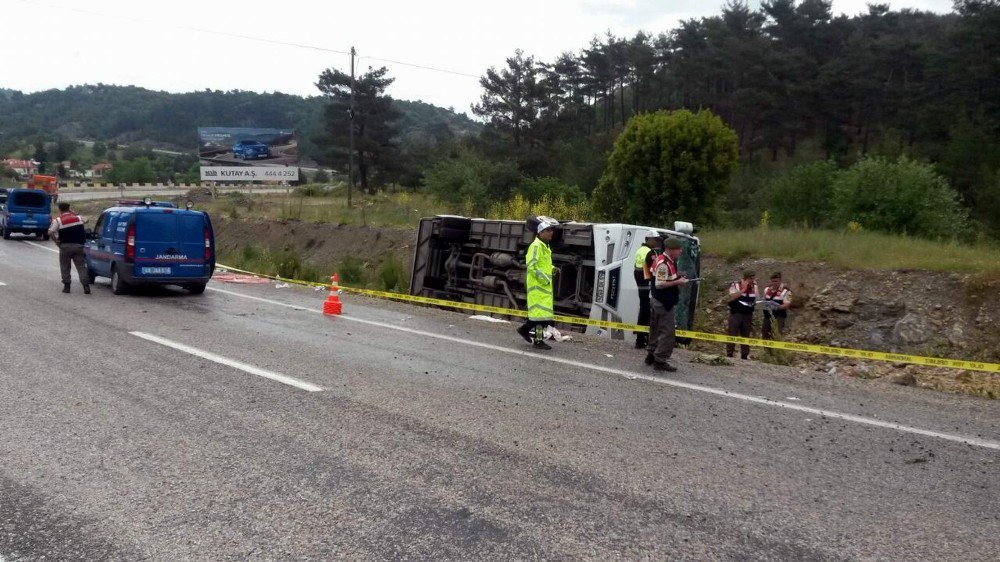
48 184
482 261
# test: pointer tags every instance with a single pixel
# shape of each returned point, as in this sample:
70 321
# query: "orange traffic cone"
332 305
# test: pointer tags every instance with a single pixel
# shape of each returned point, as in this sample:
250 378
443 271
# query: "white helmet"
545 223
653 234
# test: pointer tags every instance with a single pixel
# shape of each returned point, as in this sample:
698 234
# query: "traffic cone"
332 305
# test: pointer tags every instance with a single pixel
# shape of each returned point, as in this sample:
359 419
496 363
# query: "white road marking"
230 362
37 245
656 380
2 284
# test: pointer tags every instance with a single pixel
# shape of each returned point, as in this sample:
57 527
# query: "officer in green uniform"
539 283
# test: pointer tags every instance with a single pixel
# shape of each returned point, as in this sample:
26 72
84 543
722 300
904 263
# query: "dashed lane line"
284 379
863 420
37 245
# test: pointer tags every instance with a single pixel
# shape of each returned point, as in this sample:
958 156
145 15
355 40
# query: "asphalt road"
242 424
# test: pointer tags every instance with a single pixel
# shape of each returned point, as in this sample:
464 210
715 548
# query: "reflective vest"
667 297
539 281
778 297
746 301
71 229
641 272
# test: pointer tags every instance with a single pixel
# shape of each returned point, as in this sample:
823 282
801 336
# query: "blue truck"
148 243
26 211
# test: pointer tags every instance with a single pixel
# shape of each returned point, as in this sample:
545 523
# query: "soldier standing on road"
777 301
539 284
665 294
742 298
70 235
644 257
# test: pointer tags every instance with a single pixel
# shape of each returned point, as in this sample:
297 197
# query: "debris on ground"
554 334
709 359
485 318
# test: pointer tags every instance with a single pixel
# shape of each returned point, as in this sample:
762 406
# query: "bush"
391 274
470 179
536 189
289 264
803 196
667 165
351 271
900 197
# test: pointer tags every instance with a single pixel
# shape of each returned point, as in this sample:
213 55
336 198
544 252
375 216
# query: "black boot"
650 359
640 341
86 289
664 367
539 344
525 332
65 287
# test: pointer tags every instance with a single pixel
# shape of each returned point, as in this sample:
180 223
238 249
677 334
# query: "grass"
855 250
283 263
401 210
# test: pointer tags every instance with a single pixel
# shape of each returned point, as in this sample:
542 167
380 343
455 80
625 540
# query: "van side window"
109 225
99 225
119 226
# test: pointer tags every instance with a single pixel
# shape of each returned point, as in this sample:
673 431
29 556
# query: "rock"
905 379
956 337
843 323
911 330
843 306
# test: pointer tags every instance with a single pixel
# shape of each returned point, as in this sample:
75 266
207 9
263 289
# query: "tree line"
794 82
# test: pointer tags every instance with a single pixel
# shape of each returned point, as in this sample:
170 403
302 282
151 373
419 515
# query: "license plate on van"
155 270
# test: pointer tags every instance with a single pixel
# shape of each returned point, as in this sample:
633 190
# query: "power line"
423 67
248 38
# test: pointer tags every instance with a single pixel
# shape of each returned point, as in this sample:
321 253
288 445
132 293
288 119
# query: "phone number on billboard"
280 173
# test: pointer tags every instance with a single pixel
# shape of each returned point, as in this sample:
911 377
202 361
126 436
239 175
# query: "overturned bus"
482 261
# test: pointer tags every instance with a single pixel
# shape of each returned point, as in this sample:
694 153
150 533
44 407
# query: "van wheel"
118 285
196 289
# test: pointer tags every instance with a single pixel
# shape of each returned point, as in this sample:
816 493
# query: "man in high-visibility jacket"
538 280
644 257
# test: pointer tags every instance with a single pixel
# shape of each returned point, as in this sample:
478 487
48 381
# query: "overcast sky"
186 45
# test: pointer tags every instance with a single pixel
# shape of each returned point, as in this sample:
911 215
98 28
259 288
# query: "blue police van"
28 211
151 243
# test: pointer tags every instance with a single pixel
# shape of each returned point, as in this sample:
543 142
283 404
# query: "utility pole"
350 157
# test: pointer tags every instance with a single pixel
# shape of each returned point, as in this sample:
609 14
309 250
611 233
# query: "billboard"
247 154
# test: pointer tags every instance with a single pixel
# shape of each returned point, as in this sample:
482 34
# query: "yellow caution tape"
704 336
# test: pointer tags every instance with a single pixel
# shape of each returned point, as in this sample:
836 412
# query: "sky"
186 45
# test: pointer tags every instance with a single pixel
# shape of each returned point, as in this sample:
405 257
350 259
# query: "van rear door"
169 243
29 210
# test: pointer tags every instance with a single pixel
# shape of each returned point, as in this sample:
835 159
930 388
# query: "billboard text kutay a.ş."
247 154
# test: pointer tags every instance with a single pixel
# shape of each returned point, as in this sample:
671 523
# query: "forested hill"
139 116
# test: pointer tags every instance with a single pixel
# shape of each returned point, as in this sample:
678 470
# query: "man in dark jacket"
70 235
